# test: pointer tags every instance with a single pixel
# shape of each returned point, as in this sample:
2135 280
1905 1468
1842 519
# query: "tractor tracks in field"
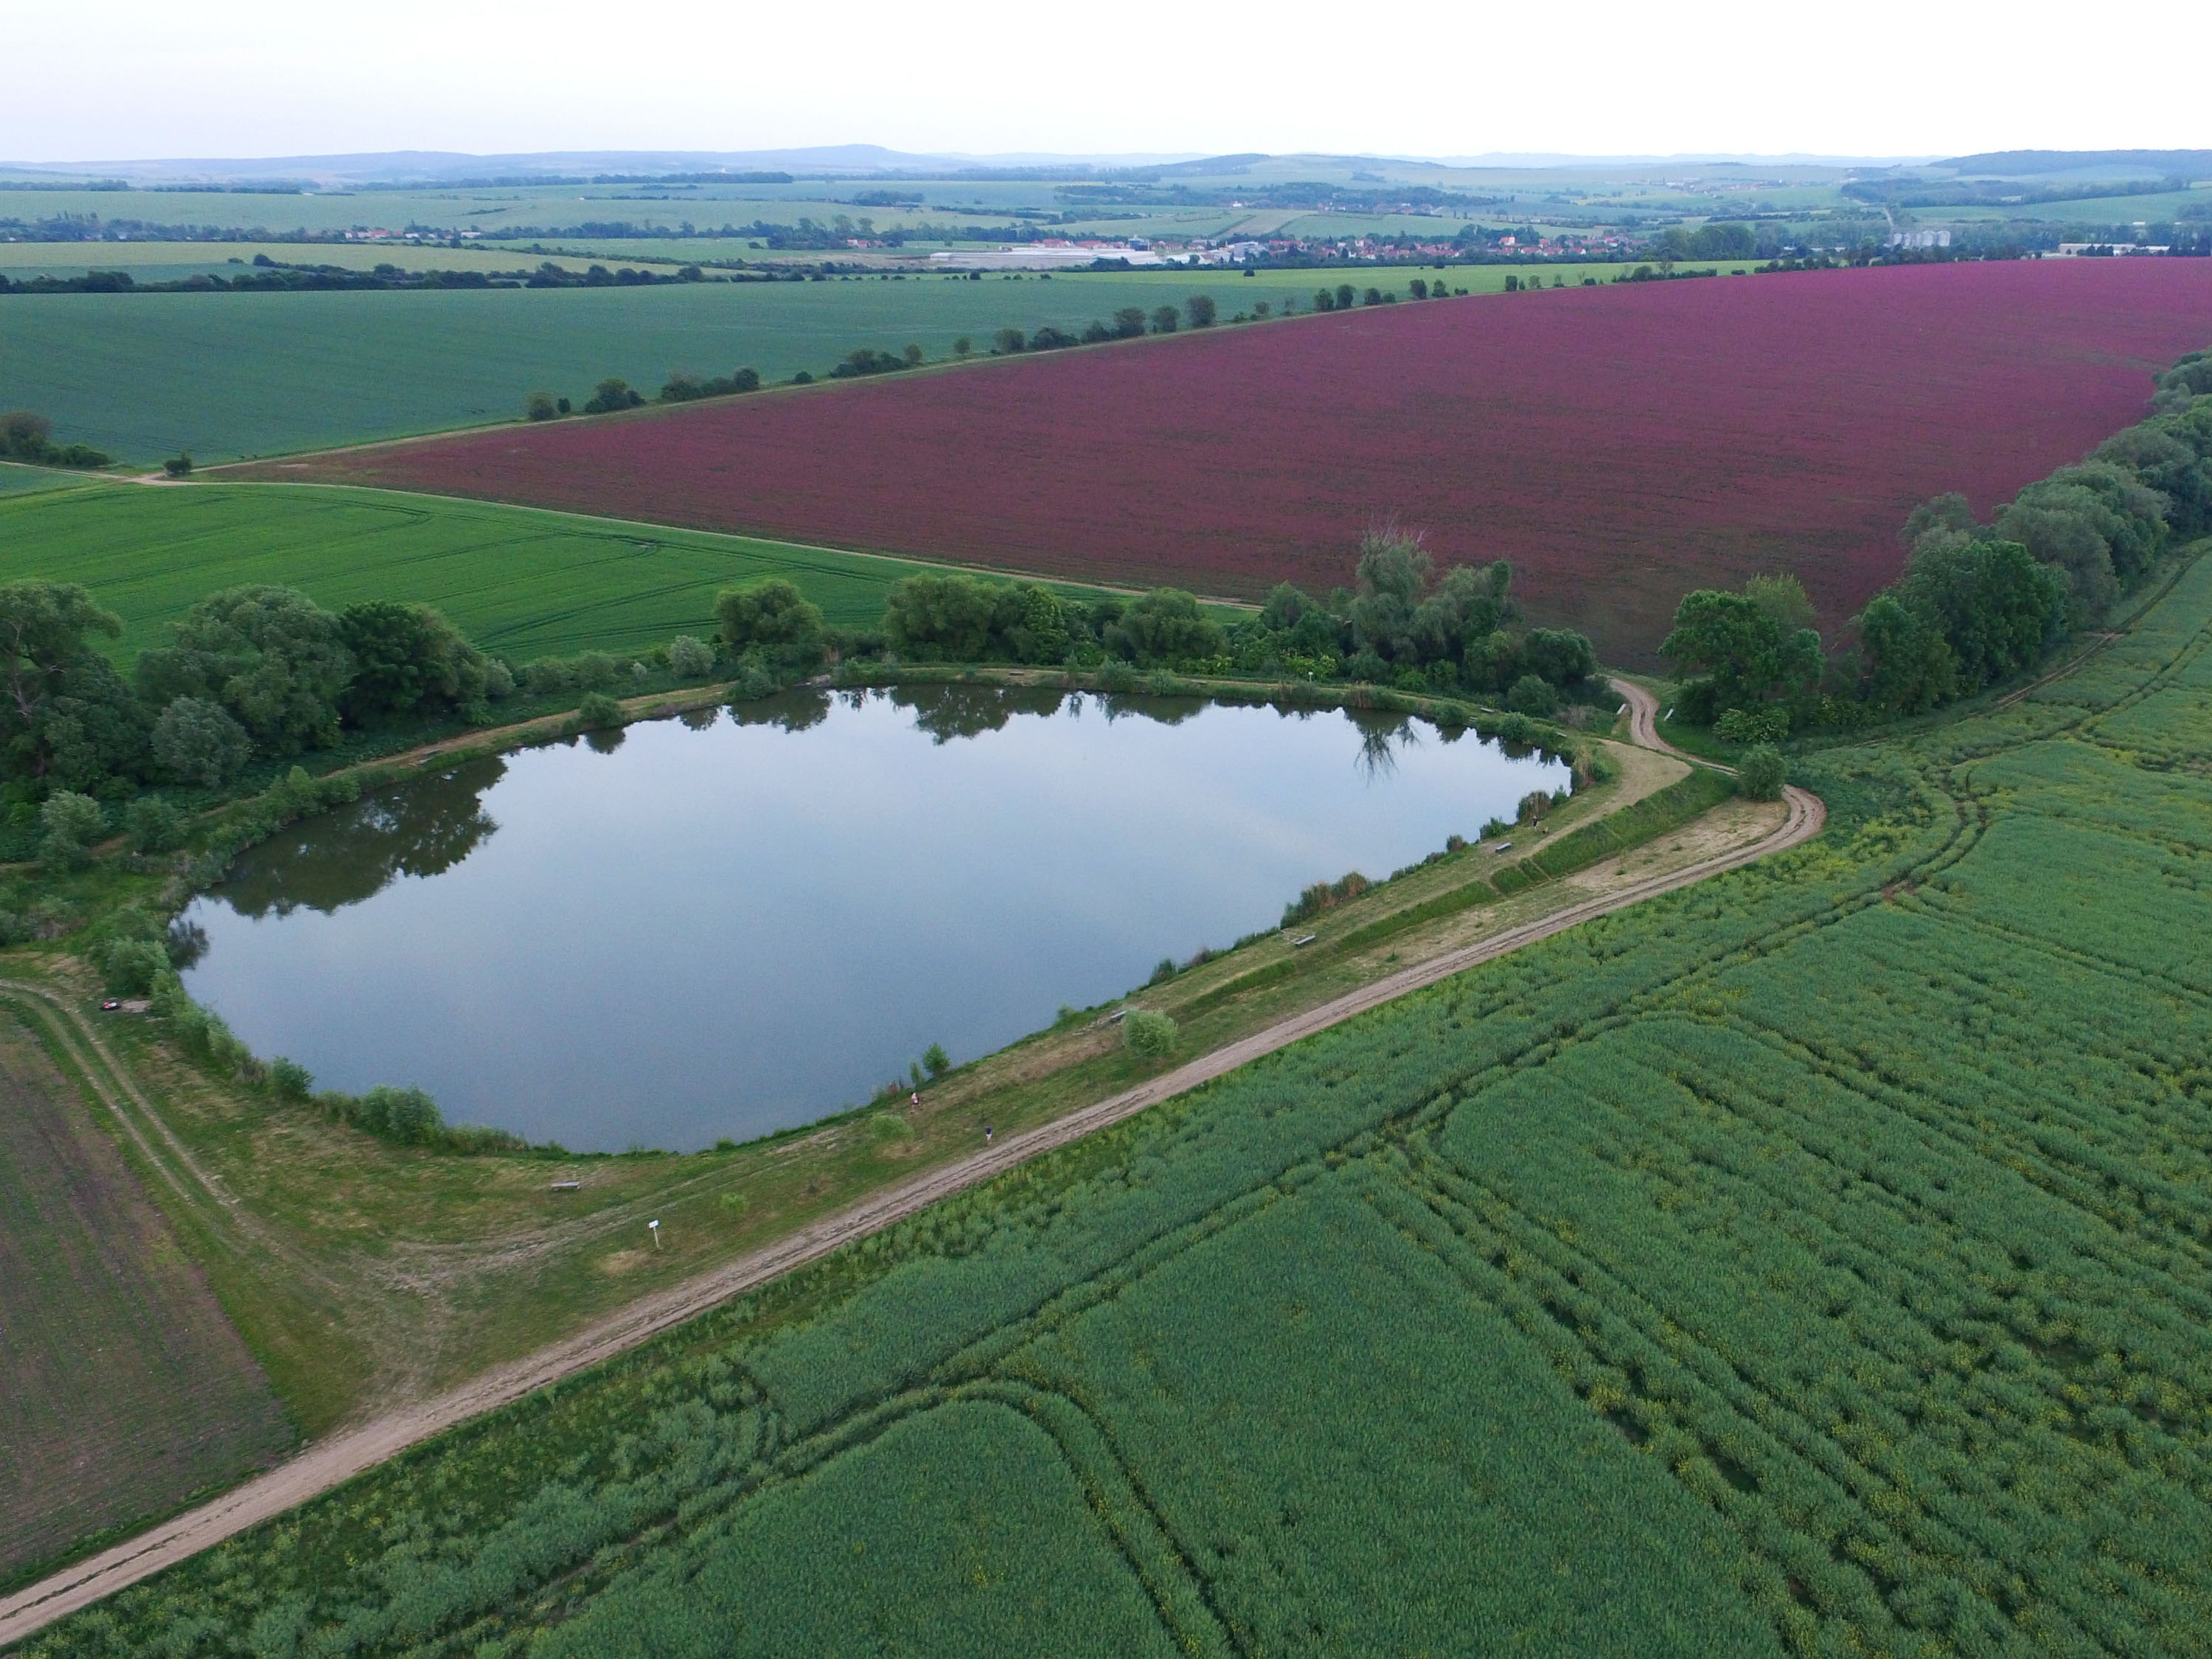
342 1456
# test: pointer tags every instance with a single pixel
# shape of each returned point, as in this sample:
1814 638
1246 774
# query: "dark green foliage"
768 613
1909 666
610 394
541 406
271 656
1997 609
155 825
69 824
1201 310
1400 628
1532 694
2095 522
64 715
1164 319
935 1060
1732 652
1164 626
409 663
1765 724
290 1081
689 658
1760 773
196 741
683 387
865 360
1148 1035
972 619
28 438
598 712
131 967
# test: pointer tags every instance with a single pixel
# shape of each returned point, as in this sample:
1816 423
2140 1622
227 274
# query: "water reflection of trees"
1164 711
800 709
1382 735
420 829
946 712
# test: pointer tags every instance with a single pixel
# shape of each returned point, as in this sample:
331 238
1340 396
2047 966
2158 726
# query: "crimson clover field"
1619 444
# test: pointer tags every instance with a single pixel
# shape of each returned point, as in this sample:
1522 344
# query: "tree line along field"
1619 444
161 262
142 376
517 582
128 1391
1813 1262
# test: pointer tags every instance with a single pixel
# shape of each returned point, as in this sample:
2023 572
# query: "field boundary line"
1001 572
330 1463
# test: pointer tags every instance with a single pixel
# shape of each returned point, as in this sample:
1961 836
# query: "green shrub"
129 967
155 825
196 740
771 611
68 824
597 711
1147 1035
689 658
291 1080
1766 724
752 680
1760 773
1532 694
1324 896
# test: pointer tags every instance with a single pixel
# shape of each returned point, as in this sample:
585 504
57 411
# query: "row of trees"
251 673
29 438
681 387
1976 603
1129 323
1402 624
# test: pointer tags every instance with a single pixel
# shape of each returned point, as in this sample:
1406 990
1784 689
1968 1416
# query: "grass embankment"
1811 1263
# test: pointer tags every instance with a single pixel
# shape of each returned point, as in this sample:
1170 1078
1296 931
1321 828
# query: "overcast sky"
152 78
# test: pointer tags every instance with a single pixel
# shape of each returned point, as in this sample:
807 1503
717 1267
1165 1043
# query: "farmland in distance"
222 375
1619 444
1812 1261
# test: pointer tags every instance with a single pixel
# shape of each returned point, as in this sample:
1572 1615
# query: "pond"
732 923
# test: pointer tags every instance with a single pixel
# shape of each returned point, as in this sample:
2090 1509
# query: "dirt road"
320 1467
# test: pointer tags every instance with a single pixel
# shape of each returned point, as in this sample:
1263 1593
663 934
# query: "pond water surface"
727 925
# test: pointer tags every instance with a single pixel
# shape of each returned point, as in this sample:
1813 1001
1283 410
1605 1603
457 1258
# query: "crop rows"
1816 1261
1619 444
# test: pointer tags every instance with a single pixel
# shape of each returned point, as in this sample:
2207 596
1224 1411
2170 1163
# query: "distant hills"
404 168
